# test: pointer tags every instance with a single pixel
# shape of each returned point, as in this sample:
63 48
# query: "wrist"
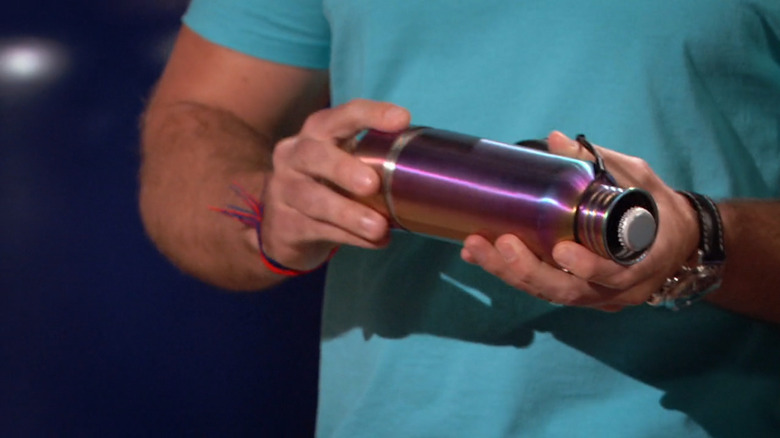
252 216
311 261
704 273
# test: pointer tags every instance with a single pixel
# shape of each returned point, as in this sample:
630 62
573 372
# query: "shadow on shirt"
720 369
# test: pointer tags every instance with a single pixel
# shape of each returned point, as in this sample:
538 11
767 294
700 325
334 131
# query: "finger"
558 286
305 256
587 265
477 251
615 283
514 263
560 144
320 203
323 160
628 171
302 243
301 232
345 121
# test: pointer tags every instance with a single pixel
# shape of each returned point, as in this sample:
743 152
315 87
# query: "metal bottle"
451 185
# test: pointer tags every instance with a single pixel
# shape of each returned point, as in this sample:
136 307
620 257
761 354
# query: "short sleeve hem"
295 34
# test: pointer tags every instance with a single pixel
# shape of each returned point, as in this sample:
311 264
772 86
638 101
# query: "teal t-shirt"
418 343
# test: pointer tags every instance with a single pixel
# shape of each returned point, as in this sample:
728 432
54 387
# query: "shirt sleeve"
293 32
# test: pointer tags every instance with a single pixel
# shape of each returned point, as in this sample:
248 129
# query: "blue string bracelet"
252 216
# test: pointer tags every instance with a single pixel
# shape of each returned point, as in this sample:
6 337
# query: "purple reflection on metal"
485 188
590 213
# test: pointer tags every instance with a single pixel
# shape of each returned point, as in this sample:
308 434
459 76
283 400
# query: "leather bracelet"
710 227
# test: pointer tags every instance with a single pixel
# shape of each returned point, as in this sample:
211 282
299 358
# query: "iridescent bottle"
451 185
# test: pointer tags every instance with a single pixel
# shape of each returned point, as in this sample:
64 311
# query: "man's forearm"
752 275
191 155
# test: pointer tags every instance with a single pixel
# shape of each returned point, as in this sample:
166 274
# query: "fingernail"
507 251
362 180
370 225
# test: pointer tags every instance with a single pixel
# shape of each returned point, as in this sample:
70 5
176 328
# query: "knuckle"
315 121
344 169
345 216
283 150
286 143
309 155
641 169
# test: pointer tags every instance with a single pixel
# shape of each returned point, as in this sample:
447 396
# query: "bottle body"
451 185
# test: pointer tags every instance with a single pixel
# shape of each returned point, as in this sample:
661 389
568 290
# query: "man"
417 342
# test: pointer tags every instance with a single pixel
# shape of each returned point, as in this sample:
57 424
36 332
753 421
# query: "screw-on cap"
636 230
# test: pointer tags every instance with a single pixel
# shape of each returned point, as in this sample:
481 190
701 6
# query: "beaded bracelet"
252 216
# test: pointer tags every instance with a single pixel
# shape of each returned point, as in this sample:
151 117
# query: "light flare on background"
30 64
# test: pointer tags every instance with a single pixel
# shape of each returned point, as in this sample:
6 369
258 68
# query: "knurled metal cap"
636 230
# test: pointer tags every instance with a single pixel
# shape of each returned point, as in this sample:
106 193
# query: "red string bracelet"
252 216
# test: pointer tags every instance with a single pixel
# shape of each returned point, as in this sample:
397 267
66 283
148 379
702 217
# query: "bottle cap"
636 230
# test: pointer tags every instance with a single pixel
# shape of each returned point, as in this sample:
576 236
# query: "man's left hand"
582 278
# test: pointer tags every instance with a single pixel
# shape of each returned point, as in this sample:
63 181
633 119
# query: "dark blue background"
99 335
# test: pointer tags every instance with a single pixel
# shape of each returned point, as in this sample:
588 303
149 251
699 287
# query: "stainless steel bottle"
451 185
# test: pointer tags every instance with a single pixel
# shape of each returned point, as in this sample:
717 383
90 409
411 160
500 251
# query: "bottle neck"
615 223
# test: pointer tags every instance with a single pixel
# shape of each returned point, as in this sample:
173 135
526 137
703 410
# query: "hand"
307 205
582 277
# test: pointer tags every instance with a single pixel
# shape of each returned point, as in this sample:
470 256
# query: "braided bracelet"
252 216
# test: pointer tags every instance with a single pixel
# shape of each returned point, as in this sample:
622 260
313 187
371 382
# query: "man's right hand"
307 206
